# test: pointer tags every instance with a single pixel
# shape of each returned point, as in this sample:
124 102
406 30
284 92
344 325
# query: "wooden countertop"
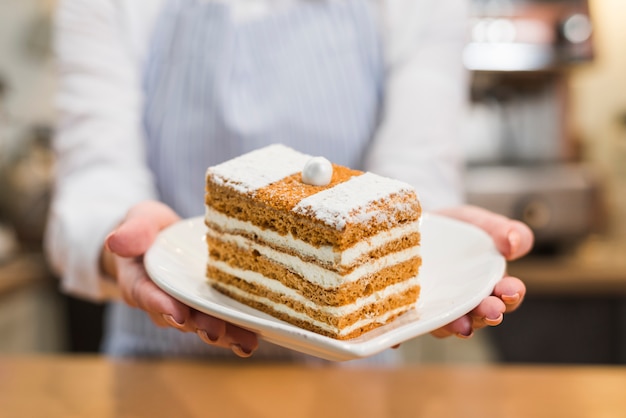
97 387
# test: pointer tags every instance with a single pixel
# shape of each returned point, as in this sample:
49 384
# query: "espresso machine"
524 160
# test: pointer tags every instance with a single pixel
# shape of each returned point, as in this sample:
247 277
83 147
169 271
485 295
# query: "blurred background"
545 140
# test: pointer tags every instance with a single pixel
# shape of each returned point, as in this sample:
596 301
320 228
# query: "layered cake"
324 247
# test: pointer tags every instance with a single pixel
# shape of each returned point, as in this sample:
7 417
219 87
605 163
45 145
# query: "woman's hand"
514 240
122 258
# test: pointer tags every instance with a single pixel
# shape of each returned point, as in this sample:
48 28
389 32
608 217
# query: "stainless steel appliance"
562 203
528 35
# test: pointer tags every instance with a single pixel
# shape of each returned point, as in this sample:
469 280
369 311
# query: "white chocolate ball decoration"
317 172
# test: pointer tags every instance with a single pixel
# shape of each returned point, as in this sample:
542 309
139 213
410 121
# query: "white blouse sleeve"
101 169
425 95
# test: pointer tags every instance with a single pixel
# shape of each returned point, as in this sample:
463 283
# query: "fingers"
513 238
490 312
216 332
520 240
125 246
461 327
140 292
511 291
507 296
137 232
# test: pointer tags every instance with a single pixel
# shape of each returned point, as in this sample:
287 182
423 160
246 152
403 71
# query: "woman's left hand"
514 240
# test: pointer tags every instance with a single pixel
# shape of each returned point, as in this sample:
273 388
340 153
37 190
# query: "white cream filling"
331 310
300 316
324 254
336 311
313 272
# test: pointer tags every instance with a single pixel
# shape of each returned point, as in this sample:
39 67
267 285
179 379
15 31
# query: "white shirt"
102 46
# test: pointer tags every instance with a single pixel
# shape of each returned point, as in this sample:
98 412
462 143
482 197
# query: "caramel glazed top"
265 185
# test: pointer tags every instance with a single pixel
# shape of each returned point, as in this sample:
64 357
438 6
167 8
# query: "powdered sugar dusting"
259 168
349 202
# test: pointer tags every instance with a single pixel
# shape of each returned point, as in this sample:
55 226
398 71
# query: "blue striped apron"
308 75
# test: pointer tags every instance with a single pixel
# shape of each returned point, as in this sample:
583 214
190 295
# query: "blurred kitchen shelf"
22 271
595 268
31 312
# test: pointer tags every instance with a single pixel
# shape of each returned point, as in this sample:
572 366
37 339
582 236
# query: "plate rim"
282 333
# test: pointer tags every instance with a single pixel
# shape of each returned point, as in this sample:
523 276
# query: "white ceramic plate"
460 267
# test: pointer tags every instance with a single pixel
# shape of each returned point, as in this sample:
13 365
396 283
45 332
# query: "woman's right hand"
122 258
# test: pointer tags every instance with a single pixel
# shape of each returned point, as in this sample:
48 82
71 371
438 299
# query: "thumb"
513 238
139 229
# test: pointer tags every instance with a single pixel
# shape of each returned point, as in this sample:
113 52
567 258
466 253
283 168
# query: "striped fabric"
308 75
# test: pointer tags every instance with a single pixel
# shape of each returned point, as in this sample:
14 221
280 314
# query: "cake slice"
332 250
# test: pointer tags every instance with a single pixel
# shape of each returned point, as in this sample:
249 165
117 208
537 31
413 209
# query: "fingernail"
510 299
465 336
172 322
494 322
106 240
240 351
514 240
204 336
